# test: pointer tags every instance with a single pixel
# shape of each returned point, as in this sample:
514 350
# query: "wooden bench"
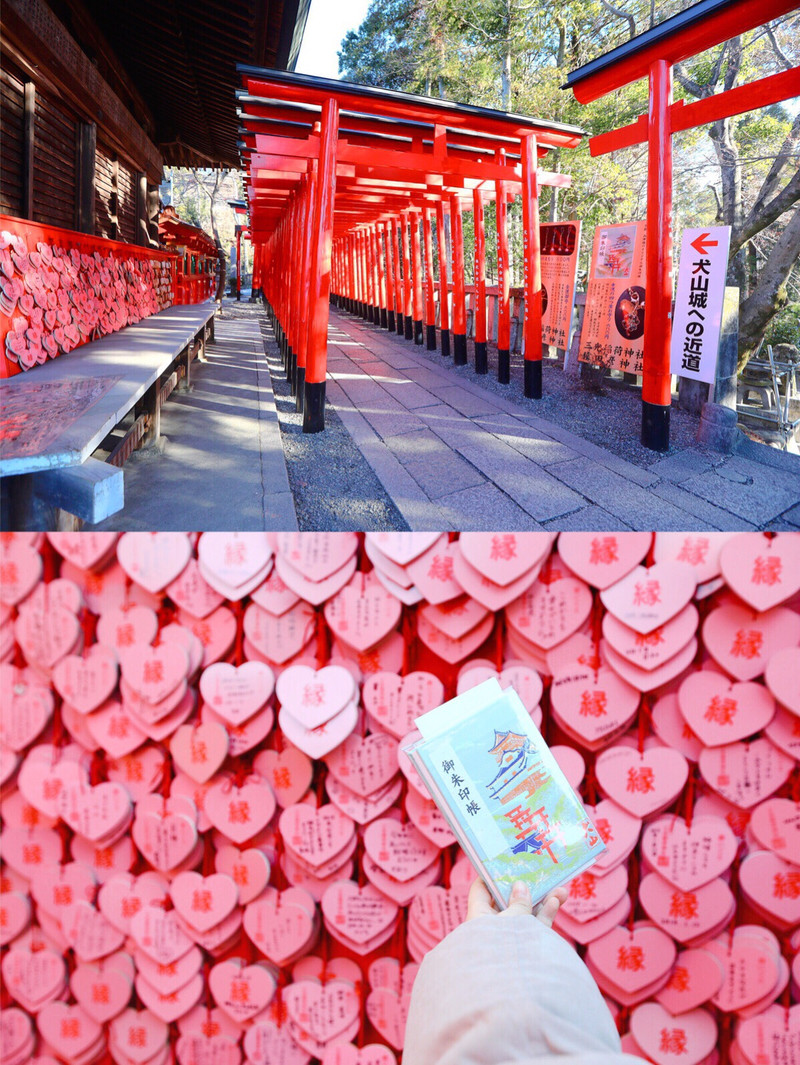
54 418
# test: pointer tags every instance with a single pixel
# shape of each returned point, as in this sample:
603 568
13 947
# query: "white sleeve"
507 990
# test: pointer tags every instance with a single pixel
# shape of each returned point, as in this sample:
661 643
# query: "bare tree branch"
770 294
712 84
689 84
734 48
780 55
621 14
760 218
770 184
718 201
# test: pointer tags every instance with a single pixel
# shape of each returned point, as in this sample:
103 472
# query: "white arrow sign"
698 303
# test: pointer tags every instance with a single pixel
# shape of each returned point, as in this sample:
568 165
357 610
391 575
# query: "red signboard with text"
560 247
613 328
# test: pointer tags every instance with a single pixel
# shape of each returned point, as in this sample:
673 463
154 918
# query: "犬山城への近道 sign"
697 317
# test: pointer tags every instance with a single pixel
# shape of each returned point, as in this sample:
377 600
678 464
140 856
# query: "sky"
328 22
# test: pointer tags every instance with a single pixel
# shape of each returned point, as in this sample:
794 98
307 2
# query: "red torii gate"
652 55
340 179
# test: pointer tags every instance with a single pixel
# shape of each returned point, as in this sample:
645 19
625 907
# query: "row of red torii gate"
347 184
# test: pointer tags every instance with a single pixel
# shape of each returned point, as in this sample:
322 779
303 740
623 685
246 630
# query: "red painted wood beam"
410 109
503 287
407 307
479 280
316 368
416 255
532 270
688 40
656 380
381 261
252 110
444 297
761 93
397 280
682 116
430 302
459 297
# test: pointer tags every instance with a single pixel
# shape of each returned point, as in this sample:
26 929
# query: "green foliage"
785 326
190 212
515 54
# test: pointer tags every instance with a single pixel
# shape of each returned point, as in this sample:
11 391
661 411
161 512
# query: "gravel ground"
334 486
610 417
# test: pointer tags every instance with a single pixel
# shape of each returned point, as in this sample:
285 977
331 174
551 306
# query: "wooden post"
380 262
115 199
142 234
362 298
533 269
152 223
362 258
356 260
293 324
459 303
503 283
398 279
413 221
430 303
355 277
351 281
481 357
656 379
87 155
373 313
150 404
316 369
186 384
362 275
28 129
358 307
304 281
444 293
238 263
386 237
407 310
362 238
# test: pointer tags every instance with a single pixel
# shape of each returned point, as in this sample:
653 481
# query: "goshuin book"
502 792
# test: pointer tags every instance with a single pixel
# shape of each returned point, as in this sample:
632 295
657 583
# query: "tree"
516 54
201 196
401 44
762 208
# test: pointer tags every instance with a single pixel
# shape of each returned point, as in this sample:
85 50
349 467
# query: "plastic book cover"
501 790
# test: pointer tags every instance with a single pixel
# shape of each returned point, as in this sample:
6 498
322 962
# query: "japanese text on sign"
697 319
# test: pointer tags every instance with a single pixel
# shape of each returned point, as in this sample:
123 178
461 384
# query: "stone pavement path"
222 464
454 455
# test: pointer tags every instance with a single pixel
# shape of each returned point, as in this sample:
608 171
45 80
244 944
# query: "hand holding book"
481 903
503 794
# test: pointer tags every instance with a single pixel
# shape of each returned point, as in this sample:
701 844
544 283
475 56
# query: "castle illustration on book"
502 792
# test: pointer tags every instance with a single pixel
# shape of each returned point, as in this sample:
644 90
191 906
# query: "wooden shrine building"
97 95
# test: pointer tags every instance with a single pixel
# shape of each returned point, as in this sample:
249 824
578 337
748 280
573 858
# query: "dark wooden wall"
45 182
105 193
55 148
11 138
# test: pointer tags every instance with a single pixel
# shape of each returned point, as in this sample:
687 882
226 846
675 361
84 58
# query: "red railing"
60 289
197 277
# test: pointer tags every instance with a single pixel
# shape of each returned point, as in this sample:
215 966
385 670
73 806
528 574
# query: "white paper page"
445 716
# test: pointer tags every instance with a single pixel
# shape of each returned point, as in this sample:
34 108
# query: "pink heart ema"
216 853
